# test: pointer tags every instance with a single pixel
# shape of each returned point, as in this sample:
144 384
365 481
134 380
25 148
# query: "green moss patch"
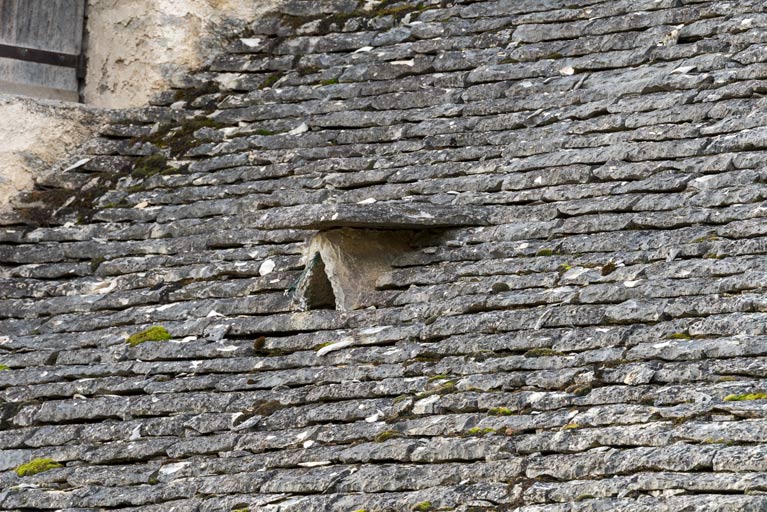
745 397
500 411
386 435
479 432
580 390
190 94
35 466
443 389
4 367
178 138
155 333
424 506
679 336
609 268
270 80
55 206
147 166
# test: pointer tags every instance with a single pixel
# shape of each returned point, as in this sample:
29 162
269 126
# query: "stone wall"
36 135
135 48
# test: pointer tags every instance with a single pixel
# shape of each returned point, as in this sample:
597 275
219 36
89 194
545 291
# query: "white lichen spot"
409 63
683 70
369 200
103 287
423 406
302 128
373 330
314 464
251 42
567 71
335 346
421 215
575 272
266 268
364 49
77 164
169 469
374 417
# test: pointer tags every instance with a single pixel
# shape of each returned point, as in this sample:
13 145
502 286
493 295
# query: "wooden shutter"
41 47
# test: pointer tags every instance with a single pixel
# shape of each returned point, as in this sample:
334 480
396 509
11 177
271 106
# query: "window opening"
343 265
314 290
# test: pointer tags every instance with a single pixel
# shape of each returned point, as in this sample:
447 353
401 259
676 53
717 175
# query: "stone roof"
560 308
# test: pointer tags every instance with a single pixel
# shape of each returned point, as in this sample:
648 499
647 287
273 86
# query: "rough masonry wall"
35 135
135 48
584 329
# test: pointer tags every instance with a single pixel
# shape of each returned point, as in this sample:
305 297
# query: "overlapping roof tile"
579 323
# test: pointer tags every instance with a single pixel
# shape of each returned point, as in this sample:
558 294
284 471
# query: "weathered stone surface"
576 321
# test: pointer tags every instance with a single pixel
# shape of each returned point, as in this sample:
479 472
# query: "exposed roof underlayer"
580 325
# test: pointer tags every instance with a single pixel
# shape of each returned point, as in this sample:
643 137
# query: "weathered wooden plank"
54 25
33 73
50 25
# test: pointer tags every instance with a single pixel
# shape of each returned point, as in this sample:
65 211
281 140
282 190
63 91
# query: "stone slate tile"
654 169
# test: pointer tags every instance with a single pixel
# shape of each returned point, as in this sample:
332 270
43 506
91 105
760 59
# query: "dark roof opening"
314 289
343 266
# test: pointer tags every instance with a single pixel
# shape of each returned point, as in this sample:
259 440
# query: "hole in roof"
314 288
343 265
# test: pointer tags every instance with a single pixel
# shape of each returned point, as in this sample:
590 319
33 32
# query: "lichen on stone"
154 333
745 397
679 336
149 166
609 268
479 431
386 435
542 352
36 466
